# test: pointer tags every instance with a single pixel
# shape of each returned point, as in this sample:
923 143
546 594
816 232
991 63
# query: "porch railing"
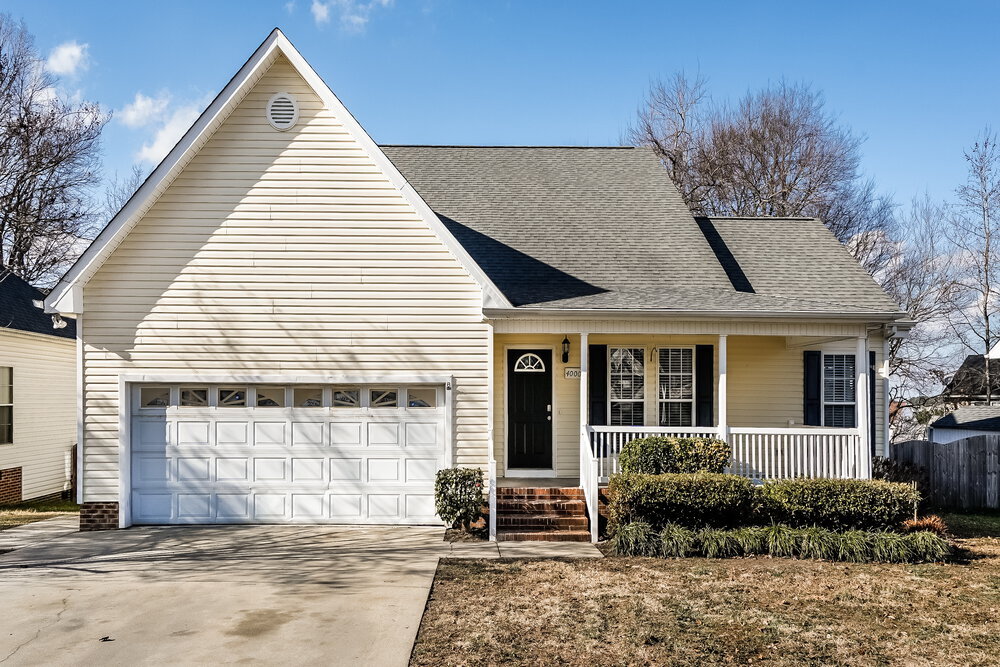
758 453
589 480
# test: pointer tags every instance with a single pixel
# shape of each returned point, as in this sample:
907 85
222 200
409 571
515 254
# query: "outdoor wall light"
565 345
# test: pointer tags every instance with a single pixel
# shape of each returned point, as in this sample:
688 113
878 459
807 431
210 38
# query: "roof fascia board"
492 296
578 314
66 296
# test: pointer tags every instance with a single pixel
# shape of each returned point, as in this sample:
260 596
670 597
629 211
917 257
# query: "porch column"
723 394
864 469
584 407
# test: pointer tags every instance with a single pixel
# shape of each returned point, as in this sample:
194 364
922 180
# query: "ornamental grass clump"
715 543
676 541
818 543
636 539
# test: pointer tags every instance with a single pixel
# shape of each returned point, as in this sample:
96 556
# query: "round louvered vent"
282 111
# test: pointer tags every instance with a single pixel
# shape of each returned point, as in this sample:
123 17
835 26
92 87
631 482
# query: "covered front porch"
801 401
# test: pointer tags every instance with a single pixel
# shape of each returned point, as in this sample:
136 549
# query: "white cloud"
68 59
144 110
168 134
320 12
290 6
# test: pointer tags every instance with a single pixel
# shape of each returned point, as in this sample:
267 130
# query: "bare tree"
777 152
120 190
975 233
49 162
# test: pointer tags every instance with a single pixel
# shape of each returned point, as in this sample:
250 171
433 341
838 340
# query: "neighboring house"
968 385
37 395
965 423
290 323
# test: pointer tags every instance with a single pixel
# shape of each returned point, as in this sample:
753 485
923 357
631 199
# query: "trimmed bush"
839 504
696 500
639 539
657 455
458 496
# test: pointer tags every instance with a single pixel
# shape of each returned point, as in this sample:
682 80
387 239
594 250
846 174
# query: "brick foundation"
99 516
10 486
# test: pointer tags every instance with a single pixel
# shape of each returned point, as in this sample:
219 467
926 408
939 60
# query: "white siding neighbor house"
291 323
37 395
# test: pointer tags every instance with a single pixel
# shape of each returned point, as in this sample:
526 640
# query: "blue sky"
918 79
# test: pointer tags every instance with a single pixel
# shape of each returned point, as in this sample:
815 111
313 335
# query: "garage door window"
270 397
346 398
232 397
194 398
421 397
154 397
384 398
308 397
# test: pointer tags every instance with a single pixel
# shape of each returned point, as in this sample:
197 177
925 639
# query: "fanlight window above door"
529 363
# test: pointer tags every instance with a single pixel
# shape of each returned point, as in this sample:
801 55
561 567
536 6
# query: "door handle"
549 418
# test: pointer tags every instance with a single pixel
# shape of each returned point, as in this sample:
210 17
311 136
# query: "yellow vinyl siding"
280 252
44 410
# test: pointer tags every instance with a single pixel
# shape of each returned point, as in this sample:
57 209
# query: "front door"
529 409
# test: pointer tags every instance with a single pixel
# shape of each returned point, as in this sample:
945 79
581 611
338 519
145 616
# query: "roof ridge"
506 146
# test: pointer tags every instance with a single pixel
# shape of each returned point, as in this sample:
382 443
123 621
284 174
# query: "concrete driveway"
225 594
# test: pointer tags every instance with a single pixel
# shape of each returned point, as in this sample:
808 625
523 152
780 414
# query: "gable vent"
282 111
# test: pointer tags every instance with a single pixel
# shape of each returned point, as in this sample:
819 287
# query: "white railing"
590 481
758 453
492 490
608 442
762 453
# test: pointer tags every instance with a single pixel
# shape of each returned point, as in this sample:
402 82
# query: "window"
194 398
383 398
270 397
627 384
232 397
529 363
154 397
676 386
6 405
308 397
346 398
421 397
839 396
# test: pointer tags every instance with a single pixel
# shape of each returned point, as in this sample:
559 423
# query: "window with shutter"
676 386
839 390
626 385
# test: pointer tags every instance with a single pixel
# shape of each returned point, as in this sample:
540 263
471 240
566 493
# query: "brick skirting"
10 485
99 516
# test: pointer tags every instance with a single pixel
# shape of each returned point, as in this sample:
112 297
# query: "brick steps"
542 514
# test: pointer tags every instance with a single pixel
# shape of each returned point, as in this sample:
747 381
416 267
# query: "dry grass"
701 611
20 514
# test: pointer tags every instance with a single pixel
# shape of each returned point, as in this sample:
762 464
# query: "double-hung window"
676 386
839 390
6 405
626 375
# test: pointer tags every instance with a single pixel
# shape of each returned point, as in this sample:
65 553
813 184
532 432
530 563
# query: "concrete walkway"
522 550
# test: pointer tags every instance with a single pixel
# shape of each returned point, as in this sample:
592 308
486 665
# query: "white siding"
44 410
280 252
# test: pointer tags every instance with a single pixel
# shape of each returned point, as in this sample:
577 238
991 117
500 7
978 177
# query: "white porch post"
584 397
723 395
864 463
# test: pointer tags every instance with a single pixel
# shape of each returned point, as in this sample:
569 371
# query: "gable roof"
66 296
577 228
973 418
18 311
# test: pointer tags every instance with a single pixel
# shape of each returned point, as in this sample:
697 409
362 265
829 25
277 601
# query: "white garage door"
278 454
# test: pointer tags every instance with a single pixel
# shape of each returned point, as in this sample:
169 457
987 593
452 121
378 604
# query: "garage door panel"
275 465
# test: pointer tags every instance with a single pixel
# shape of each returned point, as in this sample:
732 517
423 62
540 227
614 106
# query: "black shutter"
812 389
871 400
704 369
598 385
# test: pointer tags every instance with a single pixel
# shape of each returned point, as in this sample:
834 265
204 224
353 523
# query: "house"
968 385
37 395
966 422
290 323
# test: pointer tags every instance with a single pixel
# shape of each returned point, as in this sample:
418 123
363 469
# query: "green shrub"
694 500
635 539
657 455
676 541
458 496
838 504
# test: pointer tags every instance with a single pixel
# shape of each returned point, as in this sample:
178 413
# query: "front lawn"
696 610
22 513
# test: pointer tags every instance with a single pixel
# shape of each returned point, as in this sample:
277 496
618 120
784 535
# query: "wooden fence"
963 474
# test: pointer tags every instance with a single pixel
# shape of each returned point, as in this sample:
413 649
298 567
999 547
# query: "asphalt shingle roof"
18 312
973 418
603 228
